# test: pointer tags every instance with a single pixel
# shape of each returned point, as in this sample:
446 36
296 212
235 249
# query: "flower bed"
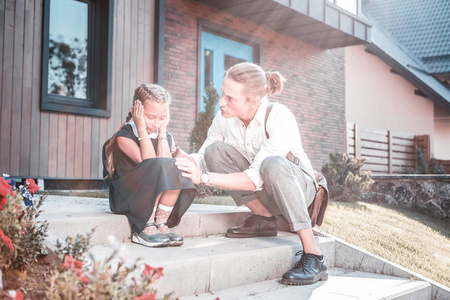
26 272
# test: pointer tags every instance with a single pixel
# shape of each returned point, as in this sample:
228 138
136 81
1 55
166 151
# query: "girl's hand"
138 115
189 170
163 127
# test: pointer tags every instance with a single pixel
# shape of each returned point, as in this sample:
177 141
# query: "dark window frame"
228 33
100 35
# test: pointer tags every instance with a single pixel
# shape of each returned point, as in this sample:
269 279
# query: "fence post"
390 158
357 141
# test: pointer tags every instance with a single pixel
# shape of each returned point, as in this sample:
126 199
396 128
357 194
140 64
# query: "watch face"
205 178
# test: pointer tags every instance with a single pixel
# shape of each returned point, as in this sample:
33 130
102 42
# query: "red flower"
2 202
153 272
32 186
71 264
83 278
6 240
146 296
5 188
19 296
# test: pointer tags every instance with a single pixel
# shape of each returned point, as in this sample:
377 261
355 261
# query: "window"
76 66
352 6
218 52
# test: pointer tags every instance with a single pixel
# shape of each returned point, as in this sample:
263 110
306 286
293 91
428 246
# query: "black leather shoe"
253 226
308 270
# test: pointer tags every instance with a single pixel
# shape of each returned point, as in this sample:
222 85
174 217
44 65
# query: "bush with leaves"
32 236
22 235
113 278
200 132
433 166
345 179
74 247
204 119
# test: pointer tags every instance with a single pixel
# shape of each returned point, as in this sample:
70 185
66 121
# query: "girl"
144 183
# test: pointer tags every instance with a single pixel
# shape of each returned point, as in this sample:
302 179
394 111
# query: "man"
263 165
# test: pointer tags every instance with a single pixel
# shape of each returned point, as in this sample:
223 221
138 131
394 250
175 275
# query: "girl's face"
155 114
233 102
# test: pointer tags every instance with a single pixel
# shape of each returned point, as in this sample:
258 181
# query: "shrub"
200 132
32 236
22 236
433 166
113 278
74 247
204 119
345 179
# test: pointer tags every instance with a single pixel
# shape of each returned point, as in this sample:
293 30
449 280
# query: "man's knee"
213 151
274 167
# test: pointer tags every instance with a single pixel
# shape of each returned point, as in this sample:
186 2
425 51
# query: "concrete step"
210 265
68 216
214 263
341 284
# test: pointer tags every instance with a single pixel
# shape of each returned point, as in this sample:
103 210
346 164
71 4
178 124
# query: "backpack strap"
269 108
290 156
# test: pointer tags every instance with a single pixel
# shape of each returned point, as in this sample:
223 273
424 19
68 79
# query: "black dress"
133 188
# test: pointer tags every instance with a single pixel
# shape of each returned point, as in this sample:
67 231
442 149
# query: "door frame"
227 33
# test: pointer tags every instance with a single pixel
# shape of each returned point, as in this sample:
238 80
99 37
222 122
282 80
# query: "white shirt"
251 141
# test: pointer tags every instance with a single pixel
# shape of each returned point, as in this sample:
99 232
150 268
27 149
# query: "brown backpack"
317 208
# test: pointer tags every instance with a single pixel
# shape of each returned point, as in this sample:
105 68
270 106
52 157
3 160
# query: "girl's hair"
143 92
256 82
148 91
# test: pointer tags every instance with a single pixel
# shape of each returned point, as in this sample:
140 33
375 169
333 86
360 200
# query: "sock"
162 214
150 230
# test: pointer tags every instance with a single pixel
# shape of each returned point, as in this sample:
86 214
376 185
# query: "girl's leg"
165 206
151 229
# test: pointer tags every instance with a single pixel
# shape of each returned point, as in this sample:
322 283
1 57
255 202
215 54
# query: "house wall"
35 143
40 144
378 98
314 91
441 134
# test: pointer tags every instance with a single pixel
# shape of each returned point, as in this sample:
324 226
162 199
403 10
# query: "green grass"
411 239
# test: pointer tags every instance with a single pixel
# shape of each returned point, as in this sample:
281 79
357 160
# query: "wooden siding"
58 145
386 152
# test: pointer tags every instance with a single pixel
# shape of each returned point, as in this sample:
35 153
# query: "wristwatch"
204 178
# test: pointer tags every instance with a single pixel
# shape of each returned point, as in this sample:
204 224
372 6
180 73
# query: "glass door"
218 54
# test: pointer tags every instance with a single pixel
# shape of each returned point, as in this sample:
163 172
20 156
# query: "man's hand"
189 170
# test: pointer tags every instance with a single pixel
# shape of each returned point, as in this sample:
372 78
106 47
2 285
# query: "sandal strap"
159 225
150 224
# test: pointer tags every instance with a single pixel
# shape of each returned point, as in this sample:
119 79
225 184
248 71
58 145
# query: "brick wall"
315 90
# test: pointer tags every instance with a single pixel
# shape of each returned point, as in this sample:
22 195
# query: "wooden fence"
386 152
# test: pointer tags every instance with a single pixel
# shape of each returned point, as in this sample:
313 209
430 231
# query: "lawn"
411 239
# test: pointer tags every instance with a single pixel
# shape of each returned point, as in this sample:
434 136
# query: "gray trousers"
287 190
